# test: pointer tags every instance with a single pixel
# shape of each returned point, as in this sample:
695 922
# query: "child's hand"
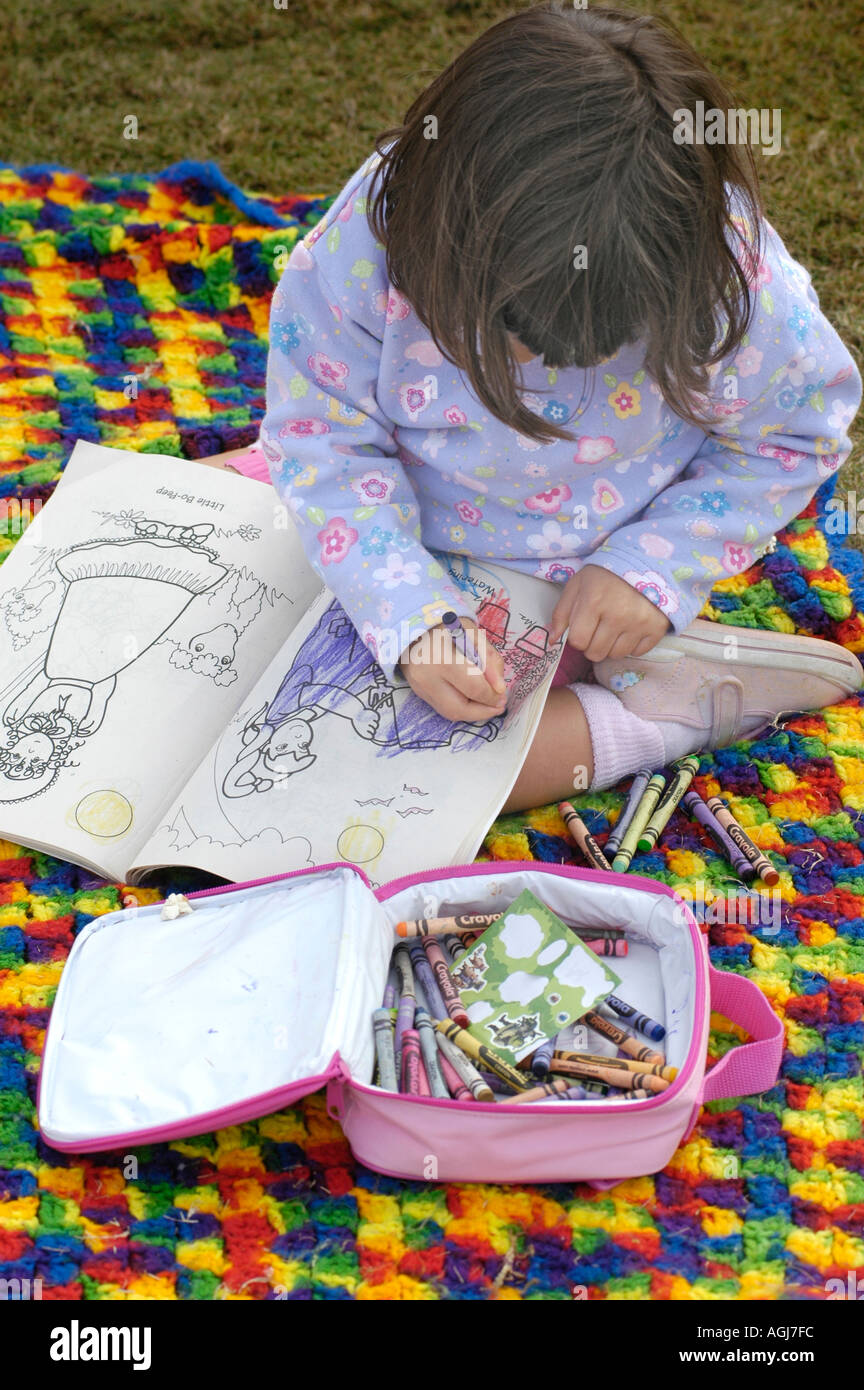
456 689
606 616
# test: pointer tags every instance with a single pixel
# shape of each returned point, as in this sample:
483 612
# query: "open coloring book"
177 687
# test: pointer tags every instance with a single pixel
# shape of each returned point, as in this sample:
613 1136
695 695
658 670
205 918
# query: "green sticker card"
527 977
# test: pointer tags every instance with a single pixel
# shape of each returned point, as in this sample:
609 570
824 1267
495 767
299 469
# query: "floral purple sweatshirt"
384 455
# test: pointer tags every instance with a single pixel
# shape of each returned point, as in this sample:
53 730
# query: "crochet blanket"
133 311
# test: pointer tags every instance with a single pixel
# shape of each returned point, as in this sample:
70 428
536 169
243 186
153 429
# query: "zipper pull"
175 905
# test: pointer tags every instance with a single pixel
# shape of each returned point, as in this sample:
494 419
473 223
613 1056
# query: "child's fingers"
453 704
470 682
584 626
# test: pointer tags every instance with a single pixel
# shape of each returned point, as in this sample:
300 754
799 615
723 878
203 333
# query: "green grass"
292 99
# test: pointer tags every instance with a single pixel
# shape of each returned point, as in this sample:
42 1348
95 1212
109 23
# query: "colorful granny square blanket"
133 311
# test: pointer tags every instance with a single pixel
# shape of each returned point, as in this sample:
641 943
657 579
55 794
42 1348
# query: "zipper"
474 870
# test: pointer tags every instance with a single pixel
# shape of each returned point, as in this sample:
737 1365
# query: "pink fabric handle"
753 1066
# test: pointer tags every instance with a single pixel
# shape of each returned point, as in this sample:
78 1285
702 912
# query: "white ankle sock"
622 742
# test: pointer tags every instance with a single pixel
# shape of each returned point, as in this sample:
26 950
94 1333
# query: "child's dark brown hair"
554 130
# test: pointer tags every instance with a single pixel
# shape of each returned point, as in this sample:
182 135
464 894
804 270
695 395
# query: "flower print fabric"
383 454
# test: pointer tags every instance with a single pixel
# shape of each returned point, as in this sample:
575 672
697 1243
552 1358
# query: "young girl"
539 326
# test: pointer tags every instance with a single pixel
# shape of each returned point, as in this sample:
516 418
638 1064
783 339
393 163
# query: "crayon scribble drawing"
89 613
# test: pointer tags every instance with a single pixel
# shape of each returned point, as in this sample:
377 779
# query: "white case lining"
158 1021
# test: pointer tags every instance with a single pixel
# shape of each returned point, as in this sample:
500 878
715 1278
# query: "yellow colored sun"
360 843
104 814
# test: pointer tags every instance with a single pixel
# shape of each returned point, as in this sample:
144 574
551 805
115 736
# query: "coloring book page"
327 760
136 612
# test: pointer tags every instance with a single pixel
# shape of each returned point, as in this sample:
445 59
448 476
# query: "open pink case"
265 993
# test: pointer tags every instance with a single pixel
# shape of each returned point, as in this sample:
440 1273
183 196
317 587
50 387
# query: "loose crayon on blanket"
452 1080
477 1084
620 1064
465 921
447 989
634 796
542 1058
684 771
384 1051
700 812
622 1080
411 1063
738 835
582 836
423 973
641 1022
479 1052
621 1038
429 1052
641 816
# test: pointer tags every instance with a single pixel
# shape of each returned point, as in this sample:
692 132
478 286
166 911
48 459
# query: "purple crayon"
407 1003
541 1062
706 818
423 973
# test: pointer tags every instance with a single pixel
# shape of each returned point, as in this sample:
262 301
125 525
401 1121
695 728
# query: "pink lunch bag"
265 991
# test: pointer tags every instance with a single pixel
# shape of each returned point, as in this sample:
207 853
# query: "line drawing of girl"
121 597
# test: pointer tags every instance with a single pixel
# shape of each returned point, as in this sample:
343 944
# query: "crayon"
602 946
620 1064
579 832
638 1094
429 1051
453 1081
407 1002
423 974
390 995
641 816
622 1080
458 946
627 1043
685 770
448 991
436 926
383 1027
543 1092
477 1084
601 933
423 1078
727 847
592 1088
542 1058
410 1076
634 796
463 640
739 837
493 1082
641 1022
479 1052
